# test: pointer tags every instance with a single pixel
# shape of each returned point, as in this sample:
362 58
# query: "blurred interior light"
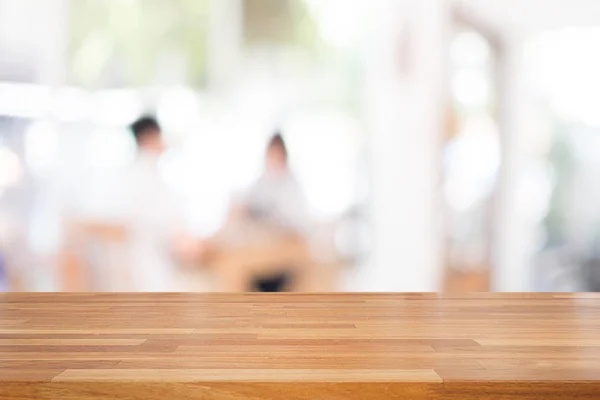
11 171
587 148
178 109
324 154
183 168
108 149
472 162
471 88
470 49
116 107
24 100
535 188
41 146
339 28
7 224
564 69
92 57
258 108
71 104
174 172
579 107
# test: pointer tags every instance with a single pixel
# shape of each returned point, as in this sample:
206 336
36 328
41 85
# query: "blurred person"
152 215
140 220
276 200
276 197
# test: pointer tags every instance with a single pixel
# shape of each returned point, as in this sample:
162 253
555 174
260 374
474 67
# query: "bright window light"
470 49
108 149
10 168
471 88
324 153
115 107
472 162
71 104
24 100
340 21
563 67
178 109
41 147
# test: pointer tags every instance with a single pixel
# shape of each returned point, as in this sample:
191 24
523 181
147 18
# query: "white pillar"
225 41
52 45
404 112
33 35
512 272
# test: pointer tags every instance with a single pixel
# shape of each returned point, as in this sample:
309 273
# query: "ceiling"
530 16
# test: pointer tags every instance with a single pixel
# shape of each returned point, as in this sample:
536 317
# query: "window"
117 43
471 153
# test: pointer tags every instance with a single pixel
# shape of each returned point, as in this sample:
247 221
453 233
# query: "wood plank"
70 342
520 375
217 391
60 365
29 375
544 341
299 346
302 391
246 375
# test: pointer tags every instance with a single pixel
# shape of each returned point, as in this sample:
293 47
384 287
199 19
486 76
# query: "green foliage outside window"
122 43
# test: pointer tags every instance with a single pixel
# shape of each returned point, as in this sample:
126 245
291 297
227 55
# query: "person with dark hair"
153 217
148 135
276 199
138 211
277 154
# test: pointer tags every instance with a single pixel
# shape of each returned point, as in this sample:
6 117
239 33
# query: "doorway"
471 157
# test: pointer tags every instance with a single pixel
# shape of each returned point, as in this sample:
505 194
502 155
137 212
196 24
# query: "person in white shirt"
276 199
152 216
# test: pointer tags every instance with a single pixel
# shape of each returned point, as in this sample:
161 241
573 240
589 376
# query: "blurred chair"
94 257
458 281
560 269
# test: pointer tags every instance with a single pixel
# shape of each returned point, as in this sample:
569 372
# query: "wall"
28 42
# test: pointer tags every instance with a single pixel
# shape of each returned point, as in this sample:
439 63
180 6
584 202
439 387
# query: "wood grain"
299 346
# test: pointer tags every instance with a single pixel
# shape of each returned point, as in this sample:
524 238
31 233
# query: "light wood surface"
456 281
299 346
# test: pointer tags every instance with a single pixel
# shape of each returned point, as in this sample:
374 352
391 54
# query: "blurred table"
93 257
244 250
299 346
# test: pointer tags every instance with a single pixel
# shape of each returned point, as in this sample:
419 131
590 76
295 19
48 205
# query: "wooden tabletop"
299 346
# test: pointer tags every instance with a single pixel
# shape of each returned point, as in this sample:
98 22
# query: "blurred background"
436 145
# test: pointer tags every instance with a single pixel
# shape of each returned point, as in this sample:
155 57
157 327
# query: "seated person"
140 212
276 197
274 205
